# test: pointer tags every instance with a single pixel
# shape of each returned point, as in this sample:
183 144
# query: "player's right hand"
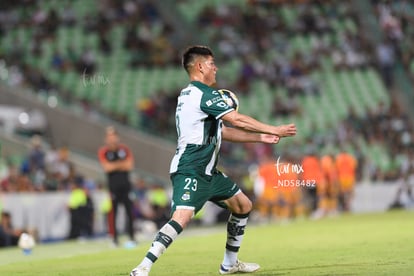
286 130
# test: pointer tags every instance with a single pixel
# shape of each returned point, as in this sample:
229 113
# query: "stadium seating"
358 88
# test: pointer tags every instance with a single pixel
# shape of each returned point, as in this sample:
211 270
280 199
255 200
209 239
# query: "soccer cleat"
140 271
239 267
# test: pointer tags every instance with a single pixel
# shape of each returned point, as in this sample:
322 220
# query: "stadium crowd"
40 170
395 20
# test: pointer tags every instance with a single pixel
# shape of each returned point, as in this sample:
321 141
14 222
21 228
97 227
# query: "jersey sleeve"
101 155
213 104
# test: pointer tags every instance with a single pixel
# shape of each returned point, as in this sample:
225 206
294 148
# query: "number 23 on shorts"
190 184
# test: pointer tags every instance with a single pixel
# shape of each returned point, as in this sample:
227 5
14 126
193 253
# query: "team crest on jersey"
186 196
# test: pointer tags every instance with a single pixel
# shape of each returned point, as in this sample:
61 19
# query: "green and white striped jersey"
198 113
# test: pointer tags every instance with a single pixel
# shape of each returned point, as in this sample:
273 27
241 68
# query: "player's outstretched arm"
250 124
238 135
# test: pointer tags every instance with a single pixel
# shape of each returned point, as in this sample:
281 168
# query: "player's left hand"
269 138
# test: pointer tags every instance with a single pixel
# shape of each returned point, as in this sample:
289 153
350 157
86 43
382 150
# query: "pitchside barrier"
49 215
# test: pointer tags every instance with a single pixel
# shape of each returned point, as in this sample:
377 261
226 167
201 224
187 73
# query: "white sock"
166 235
235 232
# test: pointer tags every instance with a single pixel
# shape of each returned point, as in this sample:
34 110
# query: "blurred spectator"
52 182
104 44
33 167
266 189
58 62
64 169
8 235
72 57
405 188
51 23
35 46
117 161
290 189
386 61
80 214
312 173
24 184
327 188
68 15
87 62
247 73
285 107
36 79
159 201
346 166
155 111
52 159
16 77
146 109
142 205
4 171
390 23
10 182
39 16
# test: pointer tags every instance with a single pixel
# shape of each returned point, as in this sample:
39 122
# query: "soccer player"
199 119
117 161
346 165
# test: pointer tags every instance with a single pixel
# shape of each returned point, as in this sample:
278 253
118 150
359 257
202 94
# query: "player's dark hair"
192 52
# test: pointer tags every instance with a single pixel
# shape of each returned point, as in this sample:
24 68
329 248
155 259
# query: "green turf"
375 244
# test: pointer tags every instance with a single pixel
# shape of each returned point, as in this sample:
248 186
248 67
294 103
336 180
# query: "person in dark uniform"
8 235
117 161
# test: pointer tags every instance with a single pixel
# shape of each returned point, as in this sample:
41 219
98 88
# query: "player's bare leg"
240 207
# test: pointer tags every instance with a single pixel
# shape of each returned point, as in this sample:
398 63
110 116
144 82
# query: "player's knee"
244 207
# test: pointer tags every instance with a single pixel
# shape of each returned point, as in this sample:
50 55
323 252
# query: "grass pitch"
374 244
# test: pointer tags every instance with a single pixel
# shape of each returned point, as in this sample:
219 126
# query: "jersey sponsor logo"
110 156
185 92
166 239
122 154
186 196
217 100
119 154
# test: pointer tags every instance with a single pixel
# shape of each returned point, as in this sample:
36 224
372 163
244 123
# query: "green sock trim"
177 227
151 256
232 248
240 216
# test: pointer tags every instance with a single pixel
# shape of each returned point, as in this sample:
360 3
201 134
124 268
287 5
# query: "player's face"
209 70
111 140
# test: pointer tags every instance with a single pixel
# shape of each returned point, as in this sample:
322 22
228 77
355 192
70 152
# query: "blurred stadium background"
343 71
